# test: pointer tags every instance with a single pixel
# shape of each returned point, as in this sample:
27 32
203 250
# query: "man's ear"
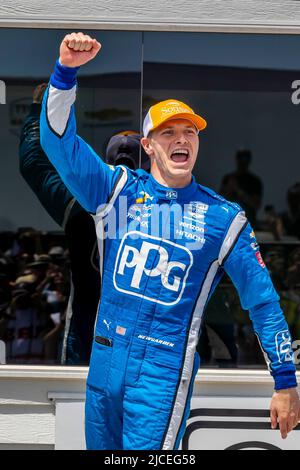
147 146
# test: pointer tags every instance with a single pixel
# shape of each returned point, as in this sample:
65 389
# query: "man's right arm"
86 176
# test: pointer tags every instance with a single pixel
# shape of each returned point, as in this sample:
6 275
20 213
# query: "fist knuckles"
79 42
77 49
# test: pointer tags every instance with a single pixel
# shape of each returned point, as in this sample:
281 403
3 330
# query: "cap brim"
38 263
197 120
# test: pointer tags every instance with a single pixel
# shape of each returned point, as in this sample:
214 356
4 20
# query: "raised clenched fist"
77 49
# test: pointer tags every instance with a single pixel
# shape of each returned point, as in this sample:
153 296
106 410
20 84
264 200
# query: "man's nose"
181 139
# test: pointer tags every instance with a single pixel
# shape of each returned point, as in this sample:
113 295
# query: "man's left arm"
246 268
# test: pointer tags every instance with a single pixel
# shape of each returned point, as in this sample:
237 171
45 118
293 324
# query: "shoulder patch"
220 198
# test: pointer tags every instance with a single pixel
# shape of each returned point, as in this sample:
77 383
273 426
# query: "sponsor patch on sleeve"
259 259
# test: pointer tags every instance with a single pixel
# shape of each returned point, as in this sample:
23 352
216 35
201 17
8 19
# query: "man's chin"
180 171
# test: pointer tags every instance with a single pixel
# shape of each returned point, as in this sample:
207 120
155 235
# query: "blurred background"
241 84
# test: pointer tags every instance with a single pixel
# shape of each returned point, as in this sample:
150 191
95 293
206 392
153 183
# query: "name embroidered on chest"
155 340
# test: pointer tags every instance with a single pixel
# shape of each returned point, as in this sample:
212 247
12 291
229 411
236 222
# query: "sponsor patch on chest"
152 268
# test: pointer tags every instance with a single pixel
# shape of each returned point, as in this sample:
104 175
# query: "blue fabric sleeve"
64 78
84 173
250 276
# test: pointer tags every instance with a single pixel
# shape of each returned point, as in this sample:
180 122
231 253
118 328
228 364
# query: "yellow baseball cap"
170 109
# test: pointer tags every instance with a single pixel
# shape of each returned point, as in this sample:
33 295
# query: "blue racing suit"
164 251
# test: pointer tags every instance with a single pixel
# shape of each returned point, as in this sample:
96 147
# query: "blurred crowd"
34 292
246 188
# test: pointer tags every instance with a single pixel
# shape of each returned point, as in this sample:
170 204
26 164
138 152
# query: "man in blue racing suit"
164 242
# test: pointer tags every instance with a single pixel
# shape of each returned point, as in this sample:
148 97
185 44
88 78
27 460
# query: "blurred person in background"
78 225
276 260
54 293
272 223
26 326
243 187
291 218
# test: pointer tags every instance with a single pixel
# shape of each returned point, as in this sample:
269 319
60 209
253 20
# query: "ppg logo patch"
147 264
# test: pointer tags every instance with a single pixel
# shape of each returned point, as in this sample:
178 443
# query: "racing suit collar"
173 194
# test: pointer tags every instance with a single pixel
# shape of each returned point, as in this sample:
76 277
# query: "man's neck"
171 182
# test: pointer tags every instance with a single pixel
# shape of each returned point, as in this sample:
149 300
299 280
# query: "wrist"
61 62
63 77
286 390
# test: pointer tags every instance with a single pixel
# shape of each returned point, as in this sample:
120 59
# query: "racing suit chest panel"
155 281
150 268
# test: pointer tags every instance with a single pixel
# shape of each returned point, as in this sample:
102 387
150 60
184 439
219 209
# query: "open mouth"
180 155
